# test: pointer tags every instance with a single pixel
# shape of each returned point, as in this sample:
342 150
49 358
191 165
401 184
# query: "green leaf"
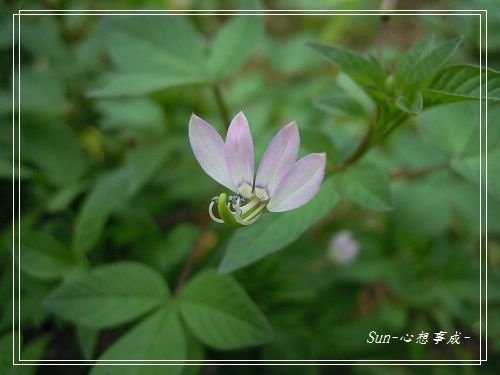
364 71
109 295
422 209
462 83
138 84
63 197
313 140
131 114
107 195
468 166
367 186
169 253
143 162
494 174
233 45
275 231
54 148
412 57
158 337
411 105
340 104
87 339
52 44
172 46
42 92
44 257
33 350
221 314
427 65
288 55
6 351
159 54
450 127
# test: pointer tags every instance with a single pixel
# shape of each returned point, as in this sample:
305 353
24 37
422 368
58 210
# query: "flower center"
245 190
237 210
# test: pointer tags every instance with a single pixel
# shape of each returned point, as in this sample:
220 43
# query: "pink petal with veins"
208 148
279 155
300 183
239 152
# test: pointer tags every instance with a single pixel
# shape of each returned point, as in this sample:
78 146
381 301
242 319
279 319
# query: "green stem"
194 257
411 174
363 147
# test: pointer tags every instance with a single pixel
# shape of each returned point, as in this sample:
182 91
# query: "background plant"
119 258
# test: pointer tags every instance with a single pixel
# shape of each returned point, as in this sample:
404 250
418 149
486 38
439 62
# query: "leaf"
412 57
143 162
313 140
138 84
63 197
424 68
367 186
159 54
493 179
450 127
44 257
468 166
54 148
233 45
172 46
339 104
109 295
106 195
33 350
87 340
220 313
51 45
363 71
6 351
169 253
42 92
275 231
411 105
461 83
131 114
288 55
422 209
158 337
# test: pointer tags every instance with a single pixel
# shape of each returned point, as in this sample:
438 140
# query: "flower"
282 182
343 248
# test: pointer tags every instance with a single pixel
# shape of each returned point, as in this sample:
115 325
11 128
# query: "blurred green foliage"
113 204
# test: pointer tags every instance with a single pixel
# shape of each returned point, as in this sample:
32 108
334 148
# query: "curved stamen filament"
249 206
233 210
252 218
210 211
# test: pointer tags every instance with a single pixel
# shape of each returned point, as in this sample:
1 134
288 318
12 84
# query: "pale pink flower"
282 182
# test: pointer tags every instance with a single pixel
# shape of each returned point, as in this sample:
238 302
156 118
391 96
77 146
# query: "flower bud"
343 248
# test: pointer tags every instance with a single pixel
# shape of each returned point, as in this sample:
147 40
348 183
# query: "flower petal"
300 184
239 152
279 155
208 148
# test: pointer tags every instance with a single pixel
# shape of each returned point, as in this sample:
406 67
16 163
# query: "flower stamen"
210 210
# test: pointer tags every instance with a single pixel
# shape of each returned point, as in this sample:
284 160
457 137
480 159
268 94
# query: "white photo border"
16 148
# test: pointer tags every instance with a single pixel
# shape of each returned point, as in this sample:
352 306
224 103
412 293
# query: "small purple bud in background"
343 248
